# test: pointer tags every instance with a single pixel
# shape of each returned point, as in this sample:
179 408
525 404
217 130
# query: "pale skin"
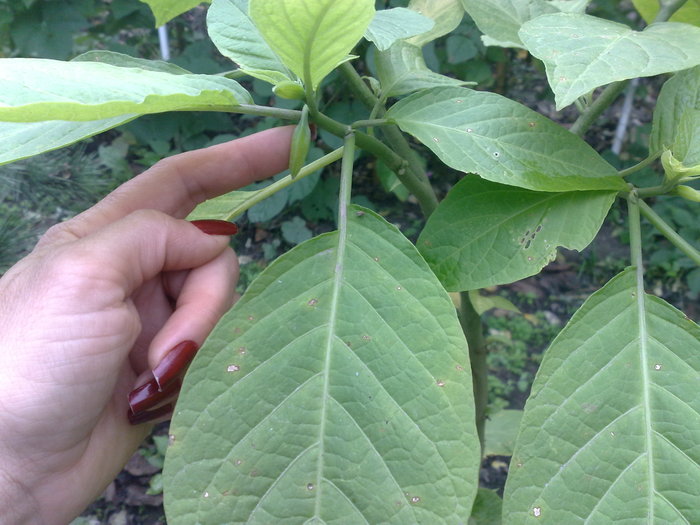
94 308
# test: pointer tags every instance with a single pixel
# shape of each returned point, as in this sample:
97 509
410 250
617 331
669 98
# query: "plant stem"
411 173
273 188
371 122
668 232
667 9
639 166
600 104
474 331
266 111
633 203
346 168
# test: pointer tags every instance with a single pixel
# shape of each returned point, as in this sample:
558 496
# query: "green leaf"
570 6
487 508
390 25
295 231
236 37
679 94
500 20
611 432
336 391
483 234
582 52
121 60
688 13
33 90
503 141
501 431
312 37
686 147
447 14
401 70
484 303
166 10
23 139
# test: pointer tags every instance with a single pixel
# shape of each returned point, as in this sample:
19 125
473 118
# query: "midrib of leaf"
646 383
343 203
309 45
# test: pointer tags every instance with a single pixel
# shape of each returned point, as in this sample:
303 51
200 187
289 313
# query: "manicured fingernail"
149 415
173 363
216 227
147 396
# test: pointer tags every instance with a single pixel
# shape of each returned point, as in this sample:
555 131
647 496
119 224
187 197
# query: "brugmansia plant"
341 388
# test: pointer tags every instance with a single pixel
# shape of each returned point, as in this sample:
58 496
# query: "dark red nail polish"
149 415
173 363
147 396
216 227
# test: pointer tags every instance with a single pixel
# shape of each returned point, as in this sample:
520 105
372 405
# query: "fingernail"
216 227
147 396
173 363
149 415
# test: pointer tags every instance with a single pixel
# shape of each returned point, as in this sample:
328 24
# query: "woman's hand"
114 301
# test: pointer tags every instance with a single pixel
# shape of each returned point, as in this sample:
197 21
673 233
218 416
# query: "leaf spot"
415 499
612 434
238 462
436 139
399 288
233 368
529 257
376 259
313 302
310 486
440 382
527 244
459 101
537 511
206 494
469 130
496 154
459 368
171 439
242 350
657 366
359 213
251 318
532 124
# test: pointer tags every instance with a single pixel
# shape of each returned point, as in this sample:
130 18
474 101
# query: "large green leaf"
236 37
166 10
33 90
312 37
121 60
582 52
688 13
401 69
336 391
611 432
390 25
24 139
447 14
485 233
502 141
679 94
500 20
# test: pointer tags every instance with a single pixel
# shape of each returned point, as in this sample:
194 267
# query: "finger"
121 257
177 184
206 295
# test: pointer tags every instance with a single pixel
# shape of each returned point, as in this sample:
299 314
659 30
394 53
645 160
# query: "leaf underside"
583 52
336 391
484 234
611 432
502 141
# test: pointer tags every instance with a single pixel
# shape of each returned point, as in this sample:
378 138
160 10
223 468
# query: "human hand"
106 301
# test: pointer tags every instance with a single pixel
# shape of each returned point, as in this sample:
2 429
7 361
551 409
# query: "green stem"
639 166
633 204
668 232
273 188
667 9
265 111
474 331
410 172
346 168
600 104
370 123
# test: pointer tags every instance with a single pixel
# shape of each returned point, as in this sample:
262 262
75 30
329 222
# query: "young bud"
301 142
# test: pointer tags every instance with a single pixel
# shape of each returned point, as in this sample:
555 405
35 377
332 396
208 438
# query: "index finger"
176 185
